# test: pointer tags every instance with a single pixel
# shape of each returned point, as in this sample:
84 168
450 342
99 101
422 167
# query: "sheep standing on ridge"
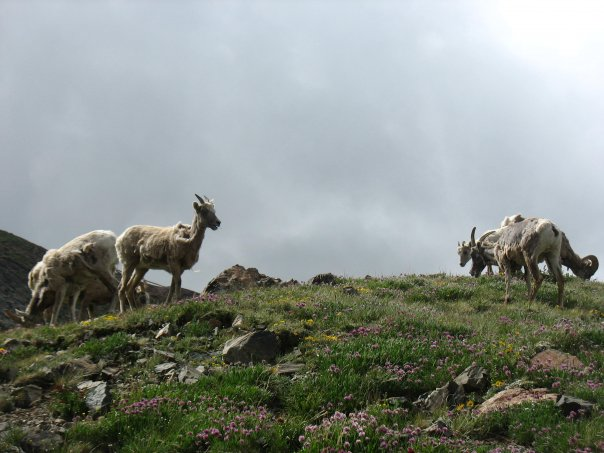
173 249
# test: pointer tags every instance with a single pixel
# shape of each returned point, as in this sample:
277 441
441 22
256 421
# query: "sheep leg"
74 304
174 292
534 275
136 278
56 308
123 286
555 268
508 277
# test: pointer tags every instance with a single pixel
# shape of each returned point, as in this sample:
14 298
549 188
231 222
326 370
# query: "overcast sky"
353 137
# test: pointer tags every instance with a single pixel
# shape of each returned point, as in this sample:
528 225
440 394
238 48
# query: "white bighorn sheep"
488 238
583 268
173 249
526 243
69 272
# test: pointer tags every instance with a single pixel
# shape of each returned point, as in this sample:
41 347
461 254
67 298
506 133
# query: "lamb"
67 272
173 249
526 243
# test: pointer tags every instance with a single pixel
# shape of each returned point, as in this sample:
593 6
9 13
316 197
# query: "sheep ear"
196 206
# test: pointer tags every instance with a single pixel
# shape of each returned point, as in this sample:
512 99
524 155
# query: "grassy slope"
398 337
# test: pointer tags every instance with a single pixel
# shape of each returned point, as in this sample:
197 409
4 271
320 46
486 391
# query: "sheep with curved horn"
173 249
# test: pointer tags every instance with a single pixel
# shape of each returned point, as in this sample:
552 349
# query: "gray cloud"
365 138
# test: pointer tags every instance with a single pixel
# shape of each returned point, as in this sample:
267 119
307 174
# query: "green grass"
397 338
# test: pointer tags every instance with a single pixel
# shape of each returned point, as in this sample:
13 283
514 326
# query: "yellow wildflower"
498 384
309 322
470 404
460 407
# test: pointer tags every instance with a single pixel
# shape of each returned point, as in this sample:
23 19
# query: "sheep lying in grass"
69 271
173 249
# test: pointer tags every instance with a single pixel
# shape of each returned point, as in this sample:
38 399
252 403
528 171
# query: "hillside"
416 363
17 257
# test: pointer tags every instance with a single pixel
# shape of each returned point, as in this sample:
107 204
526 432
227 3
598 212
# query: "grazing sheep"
69 271
173 249
526 243
583 268
488 238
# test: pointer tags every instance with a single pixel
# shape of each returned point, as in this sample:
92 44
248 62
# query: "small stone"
474 379
350 290
287 369
165 367
253 347
238 322
439 428
165 330
570 404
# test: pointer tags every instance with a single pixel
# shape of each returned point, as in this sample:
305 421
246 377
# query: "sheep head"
479 261
206 213
589 267
464 250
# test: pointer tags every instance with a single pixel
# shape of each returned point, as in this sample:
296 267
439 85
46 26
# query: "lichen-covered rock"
512 397
569 404
556 360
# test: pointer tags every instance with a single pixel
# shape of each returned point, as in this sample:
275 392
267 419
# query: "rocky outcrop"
237 278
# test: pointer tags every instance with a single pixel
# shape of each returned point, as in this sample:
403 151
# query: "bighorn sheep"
526 243
487 238
173 249
70 271
583 268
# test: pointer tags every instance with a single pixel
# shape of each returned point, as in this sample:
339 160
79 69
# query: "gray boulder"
98 398
474 379
253 347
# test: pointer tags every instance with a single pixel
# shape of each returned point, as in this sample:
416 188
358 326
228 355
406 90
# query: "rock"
324 279
542 346
13 343
26 396
98 398
253 347
350 290
165 367
237 278
398 401
512 397
82 366
570 404
189 375
6 403
552 359
88 385
439 428
238 322
40 441
8 374
287 369
4 426
44 377
474 379
166 354
165 330
450 394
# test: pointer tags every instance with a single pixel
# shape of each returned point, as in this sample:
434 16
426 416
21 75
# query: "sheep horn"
472 239
200 199
591 263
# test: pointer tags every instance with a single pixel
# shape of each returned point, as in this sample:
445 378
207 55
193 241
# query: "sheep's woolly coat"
81 264
173 249
526 243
